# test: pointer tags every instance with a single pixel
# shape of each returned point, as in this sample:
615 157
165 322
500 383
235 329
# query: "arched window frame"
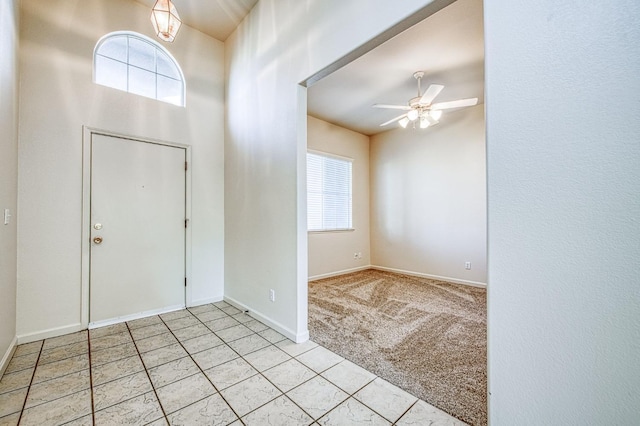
157 47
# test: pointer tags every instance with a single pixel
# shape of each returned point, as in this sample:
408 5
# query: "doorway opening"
422 222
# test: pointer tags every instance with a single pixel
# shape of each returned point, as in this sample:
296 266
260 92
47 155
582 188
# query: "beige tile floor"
208 365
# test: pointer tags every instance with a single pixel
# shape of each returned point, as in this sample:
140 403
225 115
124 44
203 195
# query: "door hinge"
186 223
186 165
185 281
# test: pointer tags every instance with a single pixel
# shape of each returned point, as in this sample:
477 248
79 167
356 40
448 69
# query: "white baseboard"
337 273
302 337
52 332
124 318
199 302
8 355
290 334
434 277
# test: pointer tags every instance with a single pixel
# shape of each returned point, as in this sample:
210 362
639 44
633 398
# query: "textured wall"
280 44
8 171
332 252
563 206
57 98
428 198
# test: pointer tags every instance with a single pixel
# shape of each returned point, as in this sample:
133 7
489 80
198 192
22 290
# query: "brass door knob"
97 240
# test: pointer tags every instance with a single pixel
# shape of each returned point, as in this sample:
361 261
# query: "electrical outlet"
467 265
359 255
355 255
272 295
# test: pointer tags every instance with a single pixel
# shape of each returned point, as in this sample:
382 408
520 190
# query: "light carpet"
425 336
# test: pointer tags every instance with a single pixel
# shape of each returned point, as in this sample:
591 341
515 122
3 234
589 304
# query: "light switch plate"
7 216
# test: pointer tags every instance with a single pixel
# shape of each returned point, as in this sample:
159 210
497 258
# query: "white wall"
563 206
57 98
278 45
9 20
562 126
332 252
428 198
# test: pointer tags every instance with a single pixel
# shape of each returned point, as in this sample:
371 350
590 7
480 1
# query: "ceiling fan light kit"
421 109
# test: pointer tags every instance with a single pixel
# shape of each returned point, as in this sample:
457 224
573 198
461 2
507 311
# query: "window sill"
325 231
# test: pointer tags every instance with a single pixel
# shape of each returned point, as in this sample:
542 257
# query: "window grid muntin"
157 50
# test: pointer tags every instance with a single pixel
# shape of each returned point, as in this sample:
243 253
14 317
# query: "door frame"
87 133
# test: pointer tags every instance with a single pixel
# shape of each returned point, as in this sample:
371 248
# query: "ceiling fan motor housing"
415 102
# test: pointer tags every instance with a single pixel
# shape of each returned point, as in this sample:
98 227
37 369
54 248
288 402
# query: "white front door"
137 259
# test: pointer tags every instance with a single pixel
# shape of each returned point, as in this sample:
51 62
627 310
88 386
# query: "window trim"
328 231
336 157
156 45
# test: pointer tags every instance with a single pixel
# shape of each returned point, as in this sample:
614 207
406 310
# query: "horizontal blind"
328 193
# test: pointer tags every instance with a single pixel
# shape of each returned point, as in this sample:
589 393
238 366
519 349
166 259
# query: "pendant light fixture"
165 19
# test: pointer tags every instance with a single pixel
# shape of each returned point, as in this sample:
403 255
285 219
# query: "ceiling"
217 18
448 46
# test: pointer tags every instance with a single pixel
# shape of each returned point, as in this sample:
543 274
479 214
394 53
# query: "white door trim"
87 132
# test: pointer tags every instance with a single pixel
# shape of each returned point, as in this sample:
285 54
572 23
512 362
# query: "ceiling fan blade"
431 120
402 107
393 120
455 104
431 93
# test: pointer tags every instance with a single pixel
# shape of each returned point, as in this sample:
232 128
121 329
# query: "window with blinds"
328 192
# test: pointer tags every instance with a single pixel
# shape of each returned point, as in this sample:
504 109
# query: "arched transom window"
136 64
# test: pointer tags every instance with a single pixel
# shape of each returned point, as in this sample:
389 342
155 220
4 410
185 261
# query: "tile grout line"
320 375
350 395
198 365
35 367
406 411
93 405
69 374
369 382
148 376
357 400
61 359
316 374
224 342
137 355
291 357
57 398
260 372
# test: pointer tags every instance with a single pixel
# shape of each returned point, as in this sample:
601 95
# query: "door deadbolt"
97 240
97 226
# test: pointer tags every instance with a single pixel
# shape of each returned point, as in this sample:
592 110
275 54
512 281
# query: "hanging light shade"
165 19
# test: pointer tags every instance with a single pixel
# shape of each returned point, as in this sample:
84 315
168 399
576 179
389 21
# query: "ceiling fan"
421 109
